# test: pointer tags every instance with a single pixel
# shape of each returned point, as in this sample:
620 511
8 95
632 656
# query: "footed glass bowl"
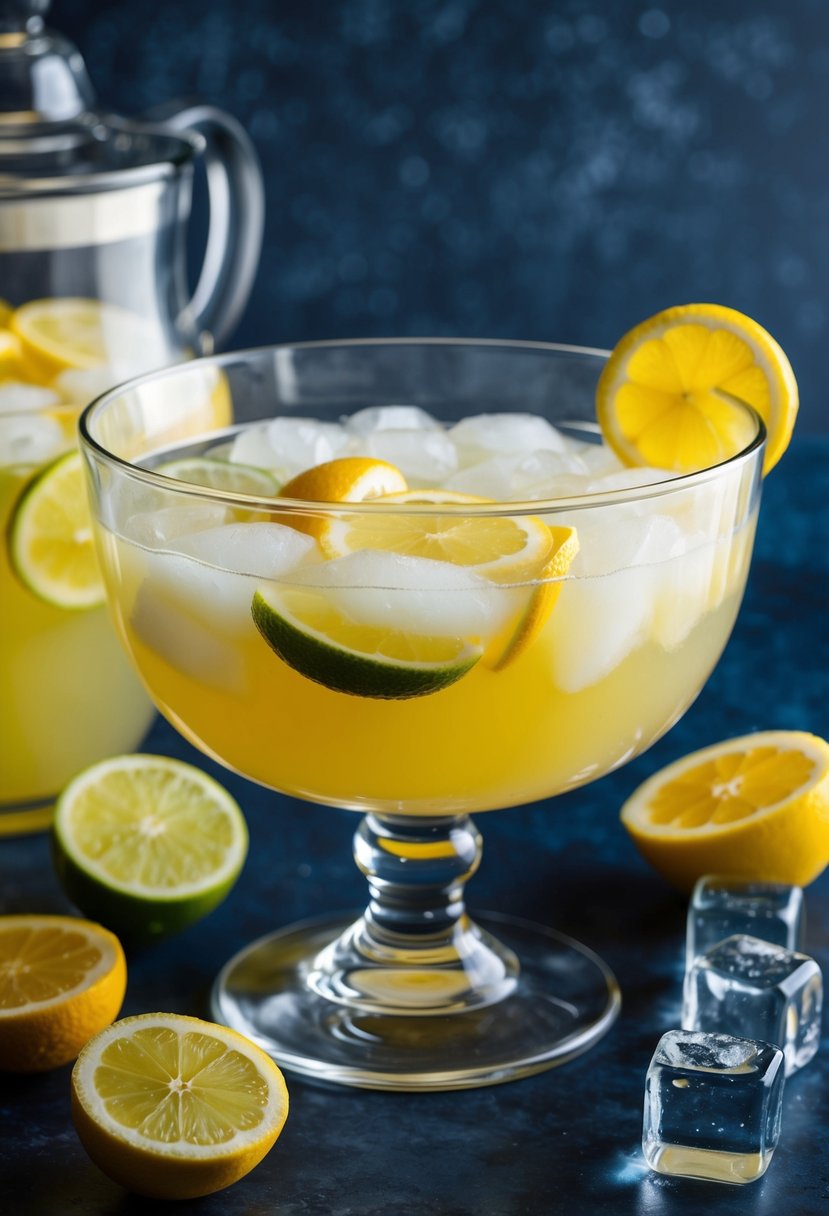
417 657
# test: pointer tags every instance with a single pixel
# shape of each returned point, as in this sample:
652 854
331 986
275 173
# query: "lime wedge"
221 475
51 545
308 633
147 845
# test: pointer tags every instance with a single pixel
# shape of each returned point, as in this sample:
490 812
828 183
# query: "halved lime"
147 845
50 538
221 475
308 633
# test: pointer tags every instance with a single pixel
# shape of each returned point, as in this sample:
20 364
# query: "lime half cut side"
222 475
147 845
51 544
313 637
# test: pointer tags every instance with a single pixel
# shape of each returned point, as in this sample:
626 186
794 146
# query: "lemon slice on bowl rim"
173 1107
51 543
756 806
62 980
666 396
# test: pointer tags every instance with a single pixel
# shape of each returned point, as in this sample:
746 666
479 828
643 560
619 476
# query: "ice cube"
289 445
83 384
155 529
722 906
390 418
761 989
628 479
18 396
263 550
29 439
713 1106
517 477
483 435
598 622
424 457
415 595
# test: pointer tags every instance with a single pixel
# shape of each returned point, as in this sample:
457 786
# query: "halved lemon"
307 631
346 479
666 396
503 548
11 353
756 806
147 844
51 543
62 980
173 1107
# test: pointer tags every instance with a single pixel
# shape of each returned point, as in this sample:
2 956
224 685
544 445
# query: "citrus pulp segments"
770 791
308 633
147 844
666 395
62 979
229 1105
50 537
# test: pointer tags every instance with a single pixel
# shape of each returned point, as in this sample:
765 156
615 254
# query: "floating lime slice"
147 845
50 538
309 634
221 475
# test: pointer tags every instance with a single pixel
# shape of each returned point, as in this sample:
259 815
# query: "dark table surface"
565 1141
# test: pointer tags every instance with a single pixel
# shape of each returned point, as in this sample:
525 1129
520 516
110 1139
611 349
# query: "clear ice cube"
759 989
289 445
390 418
523 475
424 457
722 905
29 439
712 1106
483 435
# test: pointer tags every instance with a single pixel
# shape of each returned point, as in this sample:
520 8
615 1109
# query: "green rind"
136 920
343 670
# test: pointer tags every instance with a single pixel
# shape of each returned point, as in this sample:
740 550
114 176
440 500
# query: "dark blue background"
509 168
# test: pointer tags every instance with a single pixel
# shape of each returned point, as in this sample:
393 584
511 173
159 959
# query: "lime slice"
147 845
51 545
221 475
309 634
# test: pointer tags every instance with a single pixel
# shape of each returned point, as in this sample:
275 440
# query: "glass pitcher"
93 280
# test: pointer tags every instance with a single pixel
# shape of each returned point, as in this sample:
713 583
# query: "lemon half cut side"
756 806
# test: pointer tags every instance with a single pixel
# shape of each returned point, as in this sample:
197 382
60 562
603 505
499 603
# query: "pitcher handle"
237 217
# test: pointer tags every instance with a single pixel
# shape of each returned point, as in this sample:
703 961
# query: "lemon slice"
68 332
503 548
532 620
666 395
62 980
308 633
223 475
756 806
147 845
11 353
173 1107
51 543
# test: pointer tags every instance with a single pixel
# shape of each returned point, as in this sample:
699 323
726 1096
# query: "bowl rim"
601 498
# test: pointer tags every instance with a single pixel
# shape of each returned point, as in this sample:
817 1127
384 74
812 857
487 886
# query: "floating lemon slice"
51 543
532 620
173 1107
503 548
68 332
666 395
756 806
62 980
311 635
147 845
